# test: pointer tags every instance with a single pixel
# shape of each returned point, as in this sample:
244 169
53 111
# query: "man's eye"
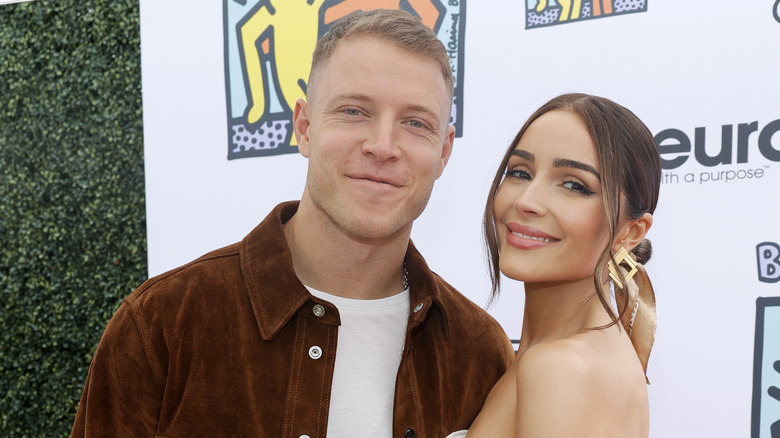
416 123
353 112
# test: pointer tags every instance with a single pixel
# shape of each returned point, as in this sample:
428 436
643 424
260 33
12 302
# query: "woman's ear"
632 232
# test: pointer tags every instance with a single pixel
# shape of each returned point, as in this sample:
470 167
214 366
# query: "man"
324 320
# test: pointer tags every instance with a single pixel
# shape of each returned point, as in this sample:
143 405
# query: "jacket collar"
276 293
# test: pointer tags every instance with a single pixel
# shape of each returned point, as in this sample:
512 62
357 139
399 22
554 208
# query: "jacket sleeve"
123 391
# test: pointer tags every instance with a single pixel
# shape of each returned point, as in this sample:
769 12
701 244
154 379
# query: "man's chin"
378 229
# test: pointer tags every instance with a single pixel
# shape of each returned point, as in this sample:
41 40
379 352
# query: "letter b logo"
768 254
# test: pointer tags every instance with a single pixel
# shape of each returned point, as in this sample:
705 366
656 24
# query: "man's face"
376 135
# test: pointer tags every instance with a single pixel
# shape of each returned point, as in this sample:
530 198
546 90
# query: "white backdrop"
694 67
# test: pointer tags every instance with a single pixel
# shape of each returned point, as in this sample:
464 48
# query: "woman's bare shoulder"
565 363
593 356
572 376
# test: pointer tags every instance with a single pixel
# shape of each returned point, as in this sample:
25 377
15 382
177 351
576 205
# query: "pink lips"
523 237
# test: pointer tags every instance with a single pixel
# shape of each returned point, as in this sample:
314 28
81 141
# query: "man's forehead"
350 44
349 76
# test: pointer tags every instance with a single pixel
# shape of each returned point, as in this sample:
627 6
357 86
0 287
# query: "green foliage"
72 215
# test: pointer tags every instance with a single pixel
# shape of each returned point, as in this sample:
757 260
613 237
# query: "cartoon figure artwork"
268 46
431 12
566 9
776 11
279 33
541 13
766 370
768 257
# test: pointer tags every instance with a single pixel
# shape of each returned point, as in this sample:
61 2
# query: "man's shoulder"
473 335
453 298
220 268
465 317
187 298
213 271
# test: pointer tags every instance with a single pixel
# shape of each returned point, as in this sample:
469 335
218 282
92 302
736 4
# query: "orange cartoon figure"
602 7
429 11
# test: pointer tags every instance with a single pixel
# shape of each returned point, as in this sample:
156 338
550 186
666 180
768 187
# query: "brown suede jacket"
227 346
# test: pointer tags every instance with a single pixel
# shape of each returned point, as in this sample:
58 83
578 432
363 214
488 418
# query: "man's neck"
330 260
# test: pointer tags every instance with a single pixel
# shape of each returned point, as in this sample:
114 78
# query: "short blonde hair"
395 26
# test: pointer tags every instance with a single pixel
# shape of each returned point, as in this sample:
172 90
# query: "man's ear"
446 150
632 232
301 123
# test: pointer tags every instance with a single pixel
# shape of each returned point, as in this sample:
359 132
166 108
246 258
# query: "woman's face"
549 215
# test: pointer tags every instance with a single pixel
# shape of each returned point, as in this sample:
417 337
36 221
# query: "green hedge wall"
72 215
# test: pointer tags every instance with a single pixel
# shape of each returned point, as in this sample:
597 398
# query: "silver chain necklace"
406 277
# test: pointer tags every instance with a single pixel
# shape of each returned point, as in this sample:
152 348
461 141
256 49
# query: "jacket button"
315 352
304 436
410 433
318 310
417 309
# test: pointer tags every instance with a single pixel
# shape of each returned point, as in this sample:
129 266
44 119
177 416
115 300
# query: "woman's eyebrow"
524 154
564 162
559 162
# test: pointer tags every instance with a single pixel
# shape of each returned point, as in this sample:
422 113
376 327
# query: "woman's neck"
559 310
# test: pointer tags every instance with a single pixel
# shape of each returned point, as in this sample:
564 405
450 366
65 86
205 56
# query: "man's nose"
382 141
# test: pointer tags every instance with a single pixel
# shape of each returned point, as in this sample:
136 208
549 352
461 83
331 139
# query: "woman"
567 215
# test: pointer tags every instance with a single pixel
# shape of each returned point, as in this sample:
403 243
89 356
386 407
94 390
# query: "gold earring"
622 255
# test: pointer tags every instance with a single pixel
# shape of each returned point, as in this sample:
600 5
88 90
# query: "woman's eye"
519 174
578 187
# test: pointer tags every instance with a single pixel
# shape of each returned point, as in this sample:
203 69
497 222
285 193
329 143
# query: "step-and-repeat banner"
220 80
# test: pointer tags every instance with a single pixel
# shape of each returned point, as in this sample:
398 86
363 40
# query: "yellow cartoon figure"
570 9
289 28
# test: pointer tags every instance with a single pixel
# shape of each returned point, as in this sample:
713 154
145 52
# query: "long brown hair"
630 168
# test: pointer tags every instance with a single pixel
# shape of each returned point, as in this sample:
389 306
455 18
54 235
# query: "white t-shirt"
368 353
